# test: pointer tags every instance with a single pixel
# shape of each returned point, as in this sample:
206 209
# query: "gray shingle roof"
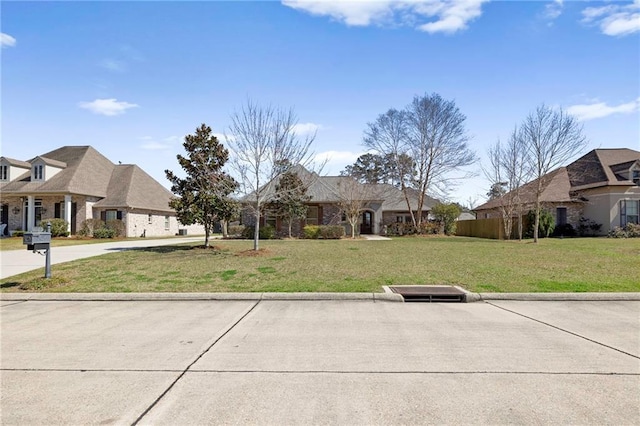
87 172
599 167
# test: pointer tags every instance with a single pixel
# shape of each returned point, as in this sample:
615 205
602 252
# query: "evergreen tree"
203 195
291 198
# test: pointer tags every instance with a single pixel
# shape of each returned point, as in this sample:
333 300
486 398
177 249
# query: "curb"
121 297
560 297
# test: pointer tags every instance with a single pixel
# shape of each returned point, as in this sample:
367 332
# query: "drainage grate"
429 293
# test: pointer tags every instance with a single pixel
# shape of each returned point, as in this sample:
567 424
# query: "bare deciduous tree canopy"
265 145
551 137
431 132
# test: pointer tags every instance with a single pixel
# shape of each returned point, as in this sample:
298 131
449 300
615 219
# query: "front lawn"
479 265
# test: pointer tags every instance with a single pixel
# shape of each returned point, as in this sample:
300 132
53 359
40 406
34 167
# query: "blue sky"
132 78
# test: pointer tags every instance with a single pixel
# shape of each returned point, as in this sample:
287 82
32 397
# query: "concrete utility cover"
429 293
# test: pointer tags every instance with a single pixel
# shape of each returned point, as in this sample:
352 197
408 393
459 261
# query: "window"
635 176
38 172
150 219
111 215
629 211
561 216
4 173
167 223
312 215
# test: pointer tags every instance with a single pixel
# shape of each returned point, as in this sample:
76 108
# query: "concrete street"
319 362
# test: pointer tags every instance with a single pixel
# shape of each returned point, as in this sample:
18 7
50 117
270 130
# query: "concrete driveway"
319 362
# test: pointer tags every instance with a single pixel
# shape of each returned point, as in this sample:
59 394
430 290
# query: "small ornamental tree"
203 195
291 198
446 215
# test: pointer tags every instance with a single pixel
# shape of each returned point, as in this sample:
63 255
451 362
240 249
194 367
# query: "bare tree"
265 145
388 135
552 137
353 199
508 170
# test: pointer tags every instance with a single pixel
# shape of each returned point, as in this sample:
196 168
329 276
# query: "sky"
133 78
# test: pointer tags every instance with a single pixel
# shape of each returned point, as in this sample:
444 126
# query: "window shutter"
119 215
57 211
623 213
103 216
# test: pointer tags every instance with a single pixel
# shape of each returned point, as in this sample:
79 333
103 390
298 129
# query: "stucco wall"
603 205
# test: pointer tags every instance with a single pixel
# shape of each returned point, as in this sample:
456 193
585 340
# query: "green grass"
553 265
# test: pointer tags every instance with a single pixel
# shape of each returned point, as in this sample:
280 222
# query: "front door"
366 227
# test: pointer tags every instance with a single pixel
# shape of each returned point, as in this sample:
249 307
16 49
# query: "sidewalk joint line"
565 331
16 303
145 412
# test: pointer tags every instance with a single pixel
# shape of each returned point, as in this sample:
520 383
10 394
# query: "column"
67 212
31 213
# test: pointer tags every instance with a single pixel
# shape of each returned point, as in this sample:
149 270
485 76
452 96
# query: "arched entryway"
366 224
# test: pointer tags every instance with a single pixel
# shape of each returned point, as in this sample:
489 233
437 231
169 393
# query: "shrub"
18 233
546 224
265 232
235 230
311 232
588 227
104 233
330 232
565 230
446 215
89 225
630 231
117 226
58 227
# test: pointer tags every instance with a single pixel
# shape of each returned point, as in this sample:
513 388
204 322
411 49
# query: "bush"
235 230
89 225
546 224
18 233
331 232
104 233
399 228
630 231
311 232
58 227
266 232
588 227
117 226
565 230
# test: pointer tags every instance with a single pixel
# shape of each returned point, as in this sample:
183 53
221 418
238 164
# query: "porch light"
16 210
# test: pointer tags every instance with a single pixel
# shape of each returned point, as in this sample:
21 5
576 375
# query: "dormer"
43 168
634 173
10 169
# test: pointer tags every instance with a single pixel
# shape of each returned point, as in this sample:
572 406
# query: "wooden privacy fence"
487 228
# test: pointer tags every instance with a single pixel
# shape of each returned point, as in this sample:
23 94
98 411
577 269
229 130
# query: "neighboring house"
76 183
603 186
383 204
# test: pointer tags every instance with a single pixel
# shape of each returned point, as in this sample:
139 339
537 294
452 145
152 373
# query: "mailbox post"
37 241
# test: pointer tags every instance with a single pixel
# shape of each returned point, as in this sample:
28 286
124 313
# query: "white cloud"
614 19
306 128
107 107
450 15
114 65
553 10
601 109
6 40
335 161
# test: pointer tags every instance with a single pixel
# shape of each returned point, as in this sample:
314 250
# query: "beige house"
76 183
603 186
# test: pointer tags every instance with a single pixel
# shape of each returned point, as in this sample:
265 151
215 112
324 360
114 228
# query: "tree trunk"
290 223
206 236
536 223
224 224
256 234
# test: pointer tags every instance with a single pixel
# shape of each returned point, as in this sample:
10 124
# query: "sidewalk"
13 262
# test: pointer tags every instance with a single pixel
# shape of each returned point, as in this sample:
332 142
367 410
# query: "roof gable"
131 187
